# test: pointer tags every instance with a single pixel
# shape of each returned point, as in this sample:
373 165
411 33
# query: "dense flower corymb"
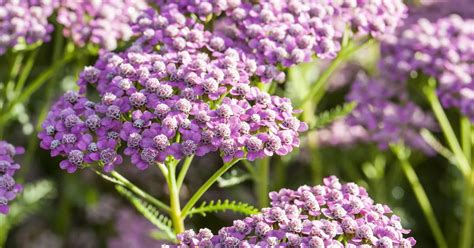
271 34
8 188
443 49
329 215
382 109
24 21
103 23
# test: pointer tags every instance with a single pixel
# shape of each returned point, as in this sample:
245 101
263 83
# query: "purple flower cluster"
342 134
386 114
24 22
269 34
103 23
434 9
8 188
443 49
168 105
329 215
377 18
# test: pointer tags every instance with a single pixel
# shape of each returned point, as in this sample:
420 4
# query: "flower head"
8 187
103 23
24 22
441 49
345 214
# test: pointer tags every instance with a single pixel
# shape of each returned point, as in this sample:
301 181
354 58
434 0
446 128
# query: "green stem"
14 70
249 167
466 233
33 141
132 187
175 213
261 181
190 204
430 93
466 137
35 85
431 140
5 224
319 87
420 195
184 170
25 72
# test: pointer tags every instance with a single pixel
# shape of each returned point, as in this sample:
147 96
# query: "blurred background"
82 210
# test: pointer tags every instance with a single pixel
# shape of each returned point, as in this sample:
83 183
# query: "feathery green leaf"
327 117
148 211
221 206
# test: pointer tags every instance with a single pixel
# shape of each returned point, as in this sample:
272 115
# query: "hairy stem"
190 204
420 195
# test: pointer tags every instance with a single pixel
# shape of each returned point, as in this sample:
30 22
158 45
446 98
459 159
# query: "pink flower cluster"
8 167
329 215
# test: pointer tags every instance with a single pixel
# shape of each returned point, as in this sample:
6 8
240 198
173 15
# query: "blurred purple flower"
8 187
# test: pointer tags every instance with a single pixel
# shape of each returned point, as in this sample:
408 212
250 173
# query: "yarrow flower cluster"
329 215
8 187
103 23
443 49
187 84
434 9
274 34
24 21
342 134
387 116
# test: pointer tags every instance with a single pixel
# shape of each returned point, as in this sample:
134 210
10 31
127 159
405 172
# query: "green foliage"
327 117
148 211
222 206
29 202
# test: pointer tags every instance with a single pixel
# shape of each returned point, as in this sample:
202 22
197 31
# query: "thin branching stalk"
430 93
420 194
132 187
200 192
184 170
466 230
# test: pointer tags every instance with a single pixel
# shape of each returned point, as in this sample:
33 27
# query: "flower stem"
319 87
132 187
430 93
466 231
25 72
420 194
190 204
261 181
175 213
182 173
35 85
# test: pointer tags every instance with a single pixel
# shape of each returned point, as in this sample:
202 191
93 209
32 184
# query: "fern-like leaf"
327 117
221 206
148 211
